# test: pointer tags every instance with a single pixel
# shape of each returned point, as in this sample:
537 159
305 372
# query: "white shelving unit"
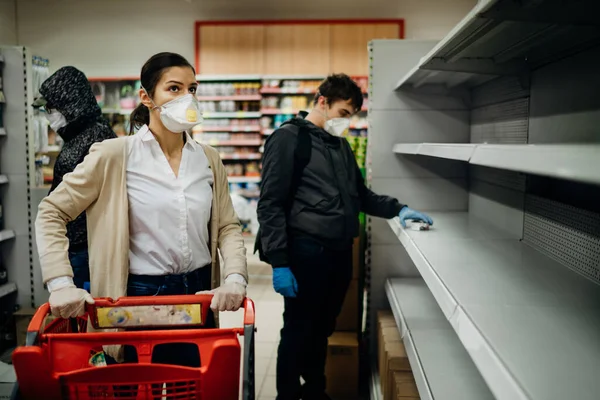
452 151
500 37
565 161
6 234
17 164
429 338
510 306
7 289
493 132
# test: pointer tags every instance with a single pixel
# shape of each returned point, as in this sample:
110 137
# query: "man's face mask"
335 126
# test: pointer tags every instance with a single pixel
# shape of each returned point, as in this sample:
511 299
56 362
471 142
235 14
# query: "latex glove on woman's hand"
410 214
284 282
69 302
227 297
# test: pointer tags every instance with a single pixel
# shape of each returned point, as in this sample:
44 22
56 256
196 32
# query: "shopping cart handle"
249 314
146 302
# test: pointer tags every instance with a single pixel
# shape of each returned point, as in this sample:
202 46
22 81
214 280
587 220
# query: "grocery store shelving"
117 111
7 289
6 234
293 77
503 37
249 97
234 129
287 91
503 297
243 179
268 131
241 156
440 364
580 163
274 111
238 114
565 161
248 143
227 78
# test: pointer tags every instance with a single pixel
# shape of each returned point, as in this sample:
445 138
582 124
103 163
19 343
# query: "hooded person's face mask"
56 120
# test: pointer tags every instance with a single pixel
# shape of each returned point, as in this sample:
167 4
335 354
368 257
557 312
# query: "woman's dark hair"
340 87
151 73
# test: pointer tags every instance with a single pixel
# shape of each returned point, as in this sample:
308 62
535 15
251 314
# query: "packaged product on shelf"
265 122
128 98
252 169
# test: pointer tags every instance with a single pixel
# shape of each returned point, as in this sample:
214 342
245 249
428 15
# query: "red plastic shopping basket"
54 364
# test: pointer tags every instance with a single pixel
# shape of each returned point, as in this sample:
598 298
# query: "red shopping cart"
56 363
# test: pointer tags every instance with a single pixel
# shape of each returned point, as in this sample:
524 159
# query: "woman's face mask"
180 114
56 120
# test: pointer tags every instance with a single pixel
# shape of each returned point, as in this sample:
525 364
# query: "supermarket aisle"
269 308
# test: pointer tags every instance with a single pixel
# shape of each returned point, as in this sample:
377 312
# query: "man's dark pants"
323 277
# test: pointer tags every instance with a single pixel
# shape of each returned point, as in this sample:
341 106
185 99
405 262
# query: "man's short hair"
340 87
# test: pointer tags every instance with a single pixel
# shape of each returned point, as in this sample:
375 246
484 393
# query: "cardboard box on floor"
385 319
404 387
397 362
392 357
348 320
341 369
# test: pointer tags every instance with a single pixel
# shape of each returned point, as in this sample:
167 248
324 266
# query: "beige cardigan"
98 186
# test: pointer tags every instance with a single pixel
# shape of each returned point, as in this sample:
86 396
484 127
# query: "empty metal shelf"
441 366
530 324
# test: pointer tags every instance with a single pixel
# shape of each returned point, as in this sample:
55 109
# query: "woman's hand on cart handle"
69 302
227 297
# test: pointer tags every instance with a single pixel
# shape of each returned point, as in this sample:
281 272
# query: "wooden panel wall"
350 53
235 50
297 49
289 49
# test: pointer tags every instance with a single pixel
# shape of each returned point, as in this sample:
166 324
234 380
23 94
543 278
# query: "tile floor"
269 309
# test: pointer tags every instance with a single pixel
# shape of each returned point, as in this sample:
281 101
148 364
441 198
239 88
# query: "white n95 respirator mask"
56 120
337 126
181 114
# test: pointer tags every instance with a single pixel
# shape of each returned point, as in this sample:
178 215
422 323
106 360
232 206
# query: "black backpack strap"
302 154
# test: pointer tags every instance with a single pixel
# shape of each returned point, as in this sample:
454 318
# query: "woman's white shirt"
168 214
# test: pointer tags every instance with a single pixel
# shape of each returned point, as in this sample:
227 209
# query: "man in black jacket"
74 114
308 213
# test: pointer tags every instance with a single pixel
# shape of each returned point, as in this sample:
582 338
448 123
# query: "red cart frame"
54 362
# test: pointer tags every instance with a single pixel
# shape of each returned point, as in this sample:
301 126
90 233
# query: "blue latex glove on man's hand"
284 282
410 214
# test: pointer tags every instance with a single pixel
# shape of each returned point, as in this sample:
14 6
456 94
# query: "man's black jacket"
328 200
69 92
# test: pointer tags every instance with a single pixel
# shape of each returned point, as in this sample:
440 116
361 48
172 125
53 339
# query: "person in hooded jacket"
73 113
